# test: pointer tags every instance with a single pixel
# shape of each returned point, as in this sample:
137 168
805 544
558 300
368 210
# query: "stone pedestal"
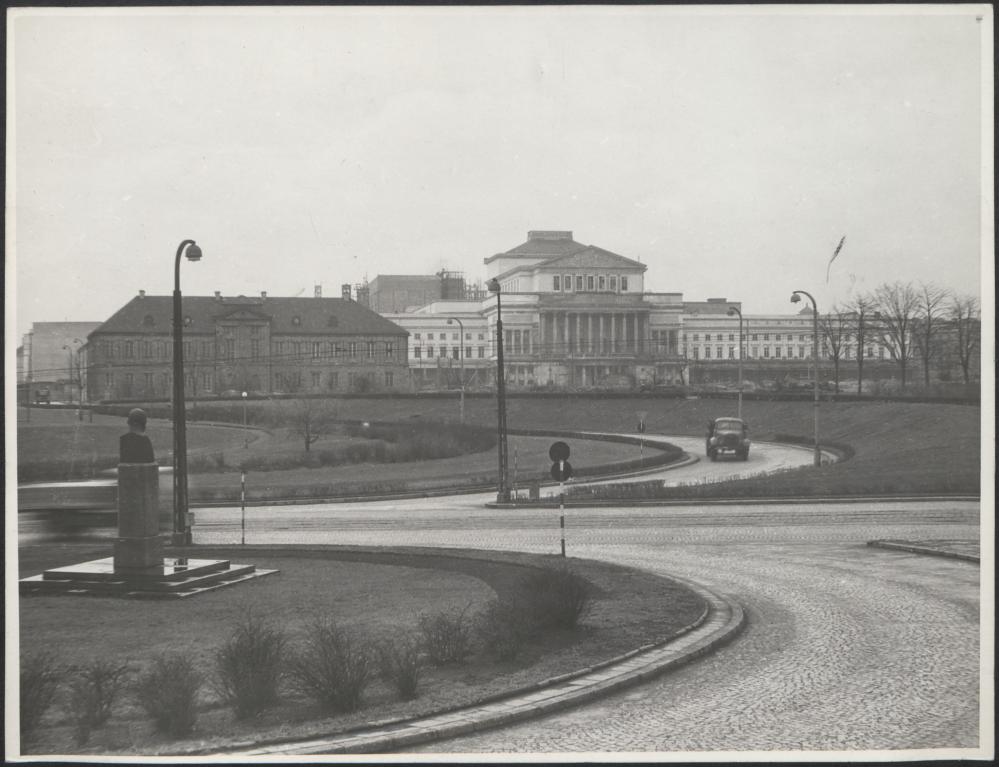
139 548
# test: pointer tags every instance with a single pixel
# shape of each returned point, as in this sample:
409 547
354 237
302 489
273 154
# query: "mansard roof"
153 315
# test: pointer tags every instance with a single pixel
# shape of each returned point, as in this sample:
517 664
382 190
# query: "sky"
729 149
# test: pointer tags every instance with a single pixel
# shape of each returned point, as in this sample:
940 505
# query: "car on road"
727 435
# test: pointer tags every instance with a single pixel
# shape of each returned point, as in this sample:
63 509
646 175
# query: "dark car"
727 435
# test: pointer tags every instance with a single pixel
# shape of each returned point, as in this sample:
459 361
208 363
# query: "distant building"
256 344
50 363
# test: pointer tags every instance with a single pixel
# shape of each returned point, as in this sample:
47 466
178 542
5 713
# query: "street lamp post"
795 298
181 529
503 492
246 436
461 365
69 370
735 310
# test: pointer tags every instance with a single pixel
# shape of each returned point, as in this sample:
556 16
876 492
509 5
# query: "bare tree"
308 418
929 315
966 319
861 312
835 328
898 303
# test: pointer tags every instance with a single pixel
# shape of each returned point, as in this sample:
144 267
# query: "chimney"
318 291
345 291
142 294
263 294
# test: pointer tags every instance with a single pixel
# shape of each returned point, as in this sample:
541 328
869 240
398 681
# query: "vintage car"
727 435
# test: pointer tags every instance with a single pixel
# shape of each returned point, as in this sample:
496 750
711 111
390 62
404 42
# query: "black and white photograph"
499 383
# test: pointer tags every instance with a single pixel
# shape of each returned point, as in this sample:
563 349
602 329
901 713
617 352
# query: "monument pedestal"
138 567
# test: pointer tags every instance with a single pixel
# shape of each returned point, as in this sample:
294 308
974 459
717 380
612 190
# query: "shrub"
557 596
333 668
92 693
168 691
249 666
399 665
503 627
41 678
446 636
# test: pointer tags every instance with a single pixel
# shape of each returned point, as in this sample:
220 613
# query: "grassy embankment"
897 447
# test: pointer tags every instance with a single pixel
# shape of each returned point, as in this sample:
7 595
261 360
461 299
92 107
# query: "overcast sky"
728 148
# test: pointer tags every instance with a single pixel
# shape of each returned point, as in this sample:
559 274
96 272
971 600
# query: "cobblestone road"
848 647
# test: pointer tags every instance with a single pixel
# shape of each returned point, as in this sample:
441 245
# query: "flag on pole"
835 253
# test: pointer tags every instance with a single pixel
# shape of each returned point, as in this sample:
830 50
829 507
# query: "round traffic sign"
559 451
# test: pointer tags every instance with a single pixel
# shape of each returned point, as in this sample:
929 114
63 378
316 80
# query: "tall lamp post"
246 436
69 360
461 366
795 298
503 491
731 311
181 529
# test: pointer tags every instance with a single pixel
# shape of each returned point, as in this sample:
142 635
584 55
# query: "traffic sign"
561 471
559 451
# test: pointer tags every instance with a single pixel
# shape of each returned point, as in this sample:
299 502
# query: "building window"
731 352
389 349
417 352
624 282
389 379
315 379
697 353
255 348
416 336
777 337
149 381
707 336
766 336
753 337
482 336
776 351
456 352
352 348
556 283
707 353
230 349
482 352
731 336
718 352
600 282
296 347
371 349
696 337
334 380
443 352
613 284
443 337
589 282
579 282
129 350
468 352
566 282
754 351
430 352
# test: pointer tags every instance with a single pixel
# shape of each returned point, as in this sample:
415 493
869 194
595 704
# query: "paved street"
848 646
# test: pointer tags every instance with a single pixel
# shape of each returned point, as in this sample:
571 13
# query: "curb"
718 624
915 548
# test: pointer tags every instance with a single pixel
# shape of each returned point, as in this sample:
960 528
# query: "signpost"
561 471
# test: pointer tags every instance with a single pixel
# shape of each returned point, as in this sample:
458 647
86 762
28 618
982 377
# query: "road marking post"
561 512
242 503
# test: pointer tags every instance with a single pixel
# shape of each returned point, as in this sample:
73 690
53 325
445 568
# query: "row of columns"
589 333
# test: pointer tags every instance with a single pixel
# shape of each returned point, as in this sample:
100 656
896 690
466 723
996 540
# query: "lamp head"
193 252
493 285
244 395
732 311
795 298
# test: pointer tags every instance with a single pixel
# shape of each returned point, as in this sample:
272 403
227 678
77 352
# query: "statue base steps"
173 579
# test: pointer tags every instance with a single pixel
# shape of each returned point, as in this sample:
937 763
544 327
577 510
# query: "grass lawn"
898 447
374 593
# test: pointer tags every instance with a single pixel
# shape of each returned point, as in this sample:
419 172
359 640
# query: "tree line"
912 321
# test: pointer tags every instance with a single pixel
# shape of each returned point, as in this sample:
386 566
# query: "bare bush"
41 677
504 627
168 691
399 665
558 596
446 636
332 668
249 666
92 693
